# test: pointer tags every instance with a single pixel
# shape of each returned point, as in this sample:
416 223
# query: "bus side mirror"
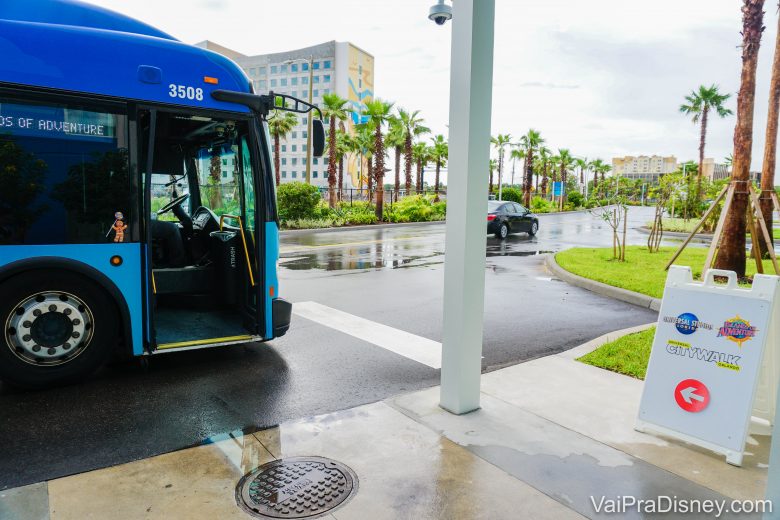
317 137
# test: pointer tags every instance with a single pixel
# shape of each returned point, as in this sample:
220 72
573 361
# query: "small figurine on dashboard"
119 227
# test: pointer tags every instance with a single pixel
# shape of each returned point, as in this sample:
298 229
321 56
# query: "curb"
679 234
590 346
635 298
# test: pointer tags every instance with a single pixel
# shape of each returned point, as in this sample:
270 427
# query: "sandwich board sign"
707 355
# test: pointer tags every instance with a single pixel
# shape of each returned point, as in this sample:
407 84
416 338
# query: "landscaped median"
627 355
640 280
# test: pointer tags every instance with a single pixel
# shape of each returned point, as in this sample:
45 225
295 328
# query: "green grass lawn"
627 355
642 272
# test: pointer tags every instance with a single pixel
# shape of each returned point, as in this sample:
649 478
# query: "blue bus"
137 198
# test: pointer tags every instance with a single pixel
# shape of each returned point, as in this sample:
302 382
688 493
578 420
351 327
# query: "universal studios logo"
687 323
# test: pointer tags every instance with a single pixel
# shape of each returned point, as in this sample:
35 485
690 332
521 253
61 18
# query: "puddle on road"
339 262
490 253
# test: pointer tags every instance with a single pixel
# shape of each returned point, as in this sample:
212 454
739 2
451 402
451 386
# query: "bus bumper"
282 310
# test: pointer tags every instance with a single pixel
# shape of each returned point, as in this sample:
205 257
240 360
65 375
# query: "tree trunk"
436 188
276 159
770 144
379 172
370 177
490 181
397 171
408 164
529 176
704 115
332 164
341 177
732 251
419 177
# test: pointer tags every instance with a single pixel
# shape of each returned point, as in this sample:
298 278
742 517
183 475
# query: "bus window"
219 178
64 173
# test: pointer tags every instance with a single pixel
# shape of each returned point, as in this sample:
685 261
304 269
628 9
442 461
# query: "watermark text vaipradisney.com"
663 504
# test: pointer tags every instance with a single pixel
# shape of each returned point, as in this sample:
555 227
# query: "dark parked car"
509 217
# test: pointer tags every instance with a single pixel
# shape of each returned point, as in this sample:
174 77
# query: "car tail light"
491 218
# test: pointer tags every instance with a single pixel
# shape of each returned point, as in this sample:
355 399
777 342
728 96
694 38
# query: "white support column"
471 92
773 473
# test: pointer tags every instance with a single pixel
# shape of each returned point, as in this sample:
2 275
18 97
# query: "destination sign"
43 121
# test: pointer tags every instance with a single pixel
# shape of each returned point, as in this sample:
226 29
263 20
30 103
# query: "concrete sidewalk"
551 434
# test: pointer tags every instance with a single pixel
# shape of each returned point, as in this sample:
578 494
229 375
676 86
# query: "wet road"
391 276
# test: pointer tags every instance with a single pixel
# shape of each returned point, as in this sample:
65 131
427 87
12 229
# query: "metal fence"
350 195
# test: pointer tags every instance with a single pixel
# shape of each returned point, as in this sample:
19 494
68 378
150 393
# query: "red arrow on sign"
692 395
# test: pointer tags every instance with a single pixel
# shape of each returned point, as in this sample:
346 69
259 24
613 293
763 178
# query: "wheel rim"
504 231
49 328
534 228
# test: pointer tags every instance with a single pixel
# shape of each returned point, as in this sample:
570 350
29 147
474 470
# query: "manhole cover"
297 487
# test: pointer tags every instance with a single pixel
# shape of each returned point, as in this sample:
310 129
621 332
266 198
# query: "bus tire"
58 327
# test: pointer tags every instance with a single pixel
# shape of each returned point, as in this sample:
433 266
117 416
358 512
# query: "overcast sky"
603 78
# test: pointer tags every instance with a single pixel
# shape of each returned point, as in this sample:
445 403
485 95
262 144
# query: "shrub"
575 198
540 205
361 218
298 200
511 194
310 223
417 208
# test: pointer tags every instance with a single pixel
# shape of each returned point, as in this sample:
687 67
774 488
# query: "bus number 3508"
185 92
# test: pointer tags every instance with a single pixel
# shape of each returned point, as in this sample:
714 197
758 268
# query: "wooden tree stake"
699 225
718 230
762 224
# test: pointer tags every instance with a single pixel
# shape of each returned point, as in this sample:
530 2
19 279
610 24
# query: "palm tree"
493 166
699 105
333 109
378 112
603 170
544 156
395 140
363 142
439 154
595 166
582 163
280 124
731 255
422 156
413 127
499 143
516 153
530 141
770 143
565 160
344 146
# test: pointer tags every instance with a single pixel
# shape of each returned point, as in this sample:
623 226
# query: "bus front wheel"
58 327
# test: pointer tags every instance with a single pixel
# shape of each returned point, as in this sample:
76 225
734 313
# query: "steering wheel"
178 201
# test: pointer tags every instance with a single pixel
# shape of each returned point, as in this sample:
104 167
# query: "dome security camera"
440 13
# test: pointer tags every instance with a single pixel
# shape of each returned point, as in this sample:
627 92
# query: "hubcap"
535 227
49 328
504 231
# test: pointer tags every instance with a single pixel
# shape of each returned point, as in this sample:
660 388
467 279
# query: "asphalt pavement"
390 276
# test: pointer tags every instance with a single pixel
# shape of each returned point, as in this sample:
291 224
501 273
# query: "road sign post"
712 346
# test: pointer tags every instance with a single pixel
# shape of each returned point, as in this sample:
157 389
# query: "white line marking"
417 348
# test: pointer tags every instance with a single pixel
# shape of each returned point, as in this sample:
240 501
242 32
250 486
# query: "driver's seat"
174 254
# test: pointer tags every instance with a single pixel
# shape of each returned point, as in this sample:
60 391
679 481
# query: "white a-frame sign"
711 344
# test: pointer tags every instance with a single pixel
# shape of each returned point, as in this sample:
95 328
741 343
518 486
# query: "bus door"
203 242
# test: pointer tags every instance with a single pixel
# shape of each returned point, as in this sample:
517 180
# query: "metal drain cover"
297 487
